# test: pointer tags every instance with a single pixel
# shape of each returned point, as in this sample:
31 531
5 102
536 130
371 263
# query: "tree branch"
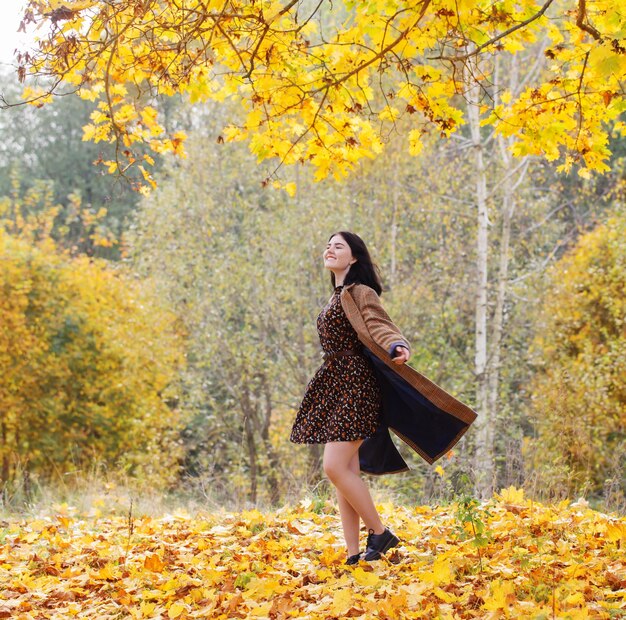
383 52
580 21
497 38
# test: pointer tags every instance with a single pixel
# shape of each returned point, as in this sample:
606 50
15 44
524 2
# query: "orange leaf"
154 563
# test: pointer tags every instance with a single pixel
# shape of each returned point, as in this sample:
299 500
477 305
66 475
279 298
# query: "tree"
28 210
321 83
226 256
579 392
44 146
89 361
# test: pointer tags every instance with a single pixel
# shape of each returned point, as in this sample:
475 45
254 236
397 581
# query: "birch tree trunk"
513 178
484 461
4 474
513 174
489 341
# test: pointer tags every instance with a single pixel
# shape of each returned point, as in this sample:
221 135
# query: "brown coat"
420 412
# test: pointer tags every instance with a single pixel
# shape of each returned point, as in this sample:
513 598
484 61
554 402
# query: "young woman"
363 390
342 403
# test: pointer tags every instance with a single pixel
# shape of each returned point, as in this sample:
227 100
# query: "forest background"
161 343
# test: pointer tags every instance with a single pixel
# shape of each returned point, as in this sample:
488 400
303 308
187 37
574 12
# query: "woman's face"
337 255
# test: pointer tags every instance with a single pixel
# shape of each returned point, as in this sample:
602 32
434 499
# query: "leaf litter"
531 560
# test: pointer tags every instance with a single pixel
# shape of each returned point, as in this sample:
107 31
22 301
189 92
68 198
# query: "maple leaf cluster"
322 86
562 560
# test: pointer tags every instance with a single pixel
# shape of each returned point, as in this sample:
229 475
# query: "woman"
354 398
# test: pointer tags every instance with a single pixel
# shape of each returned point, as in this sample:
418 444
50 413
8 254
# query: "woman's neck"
340 277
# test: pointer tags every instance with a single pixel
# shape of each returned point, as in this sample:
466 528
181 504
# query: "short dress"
342 402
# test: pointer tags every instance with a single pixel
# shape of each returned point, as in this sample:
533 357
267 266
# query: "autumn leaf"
365 578
154 563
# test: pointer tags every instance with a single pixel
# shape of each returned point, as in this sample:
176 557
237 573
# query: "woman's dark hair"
363 271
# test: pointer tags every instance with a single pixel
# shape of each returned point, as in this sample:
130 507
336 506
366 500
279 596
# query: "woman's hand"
401 355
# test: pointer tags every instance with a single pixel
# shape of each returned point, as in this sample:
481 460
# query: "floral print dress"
342 402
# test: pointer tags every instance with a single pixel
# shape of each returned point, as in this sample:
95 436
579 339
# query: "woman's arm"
380 326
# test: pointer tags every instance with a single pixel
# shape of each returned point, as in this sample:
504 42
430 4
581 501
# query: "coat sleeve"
381 328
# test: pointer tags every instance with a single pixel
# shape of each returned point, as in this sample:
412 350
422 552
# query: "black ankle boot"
377 544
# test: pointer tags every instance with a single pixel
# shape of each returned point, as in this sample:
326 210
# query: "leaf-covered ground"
532 561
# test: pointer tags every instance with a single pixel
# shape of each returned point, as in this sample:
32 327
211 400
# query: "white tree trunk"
489 334
512 176
484 462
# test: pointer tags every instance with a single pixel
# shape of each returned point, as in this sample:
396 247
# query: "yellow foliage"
89 359
415 142
36 96
374 63
579 395
441 571
365 578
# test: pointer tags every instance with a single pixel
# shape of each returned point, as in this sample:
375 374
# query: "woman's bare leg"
350 519
338 466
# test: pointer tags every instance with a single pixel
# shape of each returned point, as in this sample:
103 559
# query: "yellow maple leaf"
106 572
415 147
446 597
511 495
147 609
176 609
441 571
125 114
89 131
261 611
499 595
342 601
31 537
290 188
365 578
616 531
577 598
